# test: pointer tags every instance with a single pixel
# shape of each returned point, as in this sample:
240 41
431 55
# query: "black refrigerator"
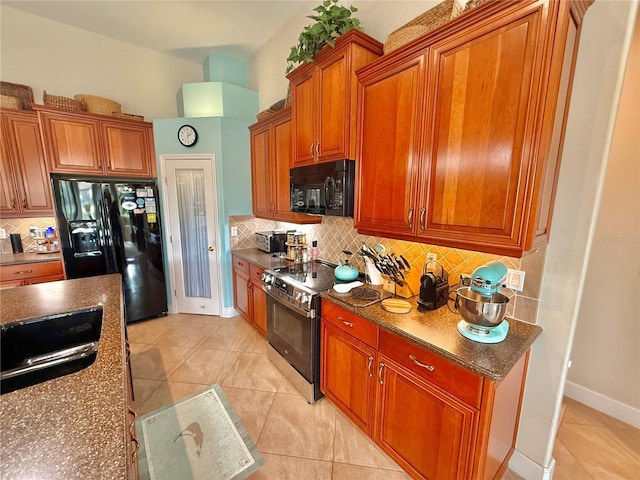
109 225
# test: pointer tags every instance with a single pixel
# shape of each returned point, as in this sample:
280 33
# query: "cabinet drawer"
460 382
30 270
255 273
351 323
240 264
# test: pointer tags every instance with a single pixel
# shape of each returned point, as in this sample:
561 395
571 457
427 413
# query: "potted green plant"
331 21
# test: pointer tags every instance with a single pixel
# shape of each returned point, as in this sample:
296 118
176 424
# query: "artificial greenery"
332 21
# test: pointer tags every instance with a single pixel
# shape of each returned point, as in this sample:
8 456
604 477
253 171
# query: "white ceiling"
190 29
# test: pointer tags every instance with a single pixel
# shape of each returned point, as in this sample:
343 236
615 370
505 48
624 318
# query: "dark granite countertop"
74 426
436 331
261 259
20 258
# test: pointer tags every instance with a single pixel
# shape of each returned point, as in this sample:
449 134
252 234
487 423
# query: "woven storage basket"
263 115
23 93
423 24
128 116
9 102
65 103
275 108
100 105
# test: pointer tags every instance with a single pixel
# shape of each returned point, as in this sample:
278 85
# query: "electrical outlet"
432 256
234 231
515 279
3 233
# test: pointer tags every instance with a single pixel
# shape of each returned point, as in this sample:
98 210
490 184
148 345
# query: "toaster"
271 241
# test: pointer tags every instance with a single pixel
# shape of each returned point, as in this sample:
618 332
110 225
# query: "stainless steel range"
293 322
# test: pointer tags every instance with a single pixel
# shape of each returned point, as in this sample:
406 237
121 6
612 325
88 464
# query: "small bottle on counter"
314 250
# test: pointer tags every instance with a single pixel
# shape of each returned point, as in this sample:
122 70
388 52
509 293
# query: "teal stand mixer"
482 306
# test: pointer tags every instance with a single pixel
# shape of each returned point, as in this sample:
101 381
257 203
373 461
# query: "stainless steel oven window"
290 332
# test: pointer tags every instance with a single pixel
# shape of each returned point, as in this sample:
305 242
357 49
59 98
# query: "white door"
190 201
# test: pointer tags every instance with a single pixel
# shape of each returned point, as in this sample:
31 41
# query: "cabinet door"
72 143
484 98
390 107
29 165
333 109
429 433
347 376
304 118
8 200
259 304
241 292
261 173
282 157
127 149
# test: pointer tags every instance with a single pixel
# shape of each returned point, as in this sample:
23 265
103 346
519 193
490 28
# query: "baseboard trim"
609 406
527 468
228 312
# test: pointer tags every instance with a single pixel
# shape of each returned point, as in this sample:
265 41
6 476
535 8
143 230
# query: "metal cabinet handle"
24 203
369 366
311 150
13 204
23 271
317 150
135 450
348 324
380 373
410 218
431 368
422 212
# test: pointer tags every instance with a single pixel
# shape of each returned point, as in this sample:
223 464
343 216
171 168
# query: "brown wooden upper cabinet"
460 132
271 156
83 143
324 99
25 190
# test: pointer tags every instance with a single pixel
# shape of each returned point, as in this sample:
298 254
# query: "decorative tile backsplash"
335 234
21 226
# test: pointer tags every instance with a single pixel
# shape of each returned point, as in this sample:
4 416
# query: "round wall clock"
187 135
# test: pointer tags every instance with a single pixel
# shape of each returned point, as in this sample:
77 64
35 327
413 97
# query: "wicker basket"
99 105
423 24
9 102
128 116
23 93
65 103
273 109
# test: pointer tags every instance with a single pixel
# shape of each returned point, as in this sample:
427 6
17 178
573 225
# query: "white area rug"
199 437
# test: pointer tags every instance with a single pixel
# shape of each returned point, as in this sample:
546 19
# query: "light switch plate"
432 256
3 233
234 231
515 279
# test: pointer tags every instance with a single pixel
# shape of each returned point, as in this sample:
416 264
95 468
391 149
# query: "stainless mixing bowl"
484 310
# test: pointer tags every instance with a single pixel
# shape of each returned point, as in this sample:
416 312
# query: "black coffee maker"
434 287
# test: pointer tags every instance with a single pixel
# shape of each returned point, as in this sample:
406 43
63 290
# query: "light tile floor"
175 356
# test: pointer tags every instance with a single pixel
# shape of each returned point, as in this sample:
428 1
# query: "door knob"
211 249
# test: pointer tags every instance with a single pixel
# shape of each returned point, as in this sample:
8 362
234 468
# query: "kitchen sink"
40 349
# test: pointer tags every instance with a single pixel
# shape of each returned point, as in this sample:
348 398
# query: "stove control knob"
304 298
298 296
267 279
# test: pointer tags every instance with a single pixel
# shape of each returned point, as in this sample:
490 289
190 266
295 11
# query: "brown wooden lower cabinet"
437 420
30 273
248 297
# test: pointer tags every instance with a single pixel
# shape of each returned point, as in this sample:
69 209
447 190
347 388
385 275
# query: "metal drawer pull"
410 218
348 324
422 212
369 366
22 271
431 368
380 373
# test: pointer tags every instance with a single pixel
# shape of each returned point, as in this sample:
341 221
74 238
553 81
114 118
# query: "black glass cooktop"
316 276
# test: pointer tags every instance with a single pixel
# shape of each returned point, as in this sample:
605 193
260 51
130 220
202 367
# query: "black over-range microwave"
323 188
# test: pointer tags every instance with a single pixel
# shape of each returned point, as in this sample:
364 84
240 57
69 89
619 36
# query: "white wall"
377 17
606 35
64 60
605 356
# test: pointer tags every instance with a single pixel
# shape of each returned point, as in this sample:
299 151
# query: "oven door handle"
309 314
